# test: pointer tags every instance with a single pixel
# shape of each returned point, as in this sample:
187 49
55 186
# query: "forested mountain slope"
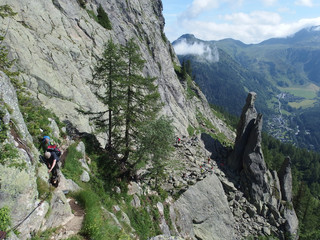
283 71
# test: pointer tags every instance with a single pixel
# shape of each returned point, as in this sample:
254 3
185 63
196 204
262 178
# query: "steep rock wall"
56 44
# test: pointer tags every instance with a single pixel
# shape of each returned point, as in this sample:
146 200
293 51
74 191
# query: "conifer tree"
156 144
106 83
132 101
140 97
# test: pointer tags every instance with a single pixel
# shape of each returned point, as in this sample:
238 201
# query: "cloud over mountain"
185 48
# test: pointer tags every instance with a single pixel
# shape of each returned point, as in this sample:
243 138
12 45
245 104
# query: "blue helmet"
45 137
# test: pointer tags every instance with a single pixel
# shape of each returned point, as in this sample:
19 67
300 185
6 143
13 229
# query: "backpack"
54 148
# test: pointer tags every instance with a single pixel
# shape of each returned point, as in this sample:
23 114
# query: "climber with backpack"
51 158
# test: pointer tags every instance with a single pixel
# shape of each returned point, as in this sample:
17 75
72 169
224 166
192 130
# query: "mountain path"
72 227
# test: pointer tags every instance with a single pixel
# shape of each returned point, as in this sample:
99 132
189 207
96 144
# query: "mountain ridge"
284 65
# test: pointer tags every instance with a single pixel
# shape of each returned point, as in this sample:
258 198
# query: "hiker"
44 143
52 163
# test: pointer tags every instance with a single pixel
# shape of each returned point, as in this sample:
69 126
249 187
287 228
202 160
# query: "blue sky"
250 21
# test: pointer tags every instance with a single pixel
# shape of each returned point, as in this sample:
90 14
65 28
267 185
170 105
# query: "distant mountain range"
284 72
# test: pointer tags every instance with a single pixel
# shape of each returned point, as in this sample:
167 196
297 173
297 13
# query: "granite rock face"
265 189
285 178
254 168
245 125
202 212
8 96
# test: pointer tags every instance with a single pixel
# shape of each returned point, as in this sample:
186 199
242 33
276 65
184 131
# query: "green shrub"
190 130
166 212
144 222
82 3
103 18
3 127
5 220
9 156
36 117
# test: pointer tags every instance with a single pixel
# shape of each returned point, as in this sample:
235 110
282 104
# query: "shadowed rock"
248 116
285 178
254 168
263 188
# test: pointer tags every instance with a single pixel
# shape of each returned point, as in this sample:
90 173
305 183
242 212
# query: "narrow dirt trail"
72 227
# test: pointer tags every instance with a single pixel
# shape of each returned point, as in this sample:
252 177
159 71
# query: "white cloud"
183 48
306 3
254 18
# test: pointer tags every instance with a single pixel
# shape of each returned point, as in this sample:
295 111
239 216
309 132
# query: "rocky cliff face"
270 192
56 44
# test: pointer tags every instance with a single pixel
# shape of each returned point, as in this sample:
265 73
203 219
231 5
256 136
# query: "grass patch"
191 92
103 18
44 189
303 104
46 235
92 15
5 220
72 167
36 117
208 127
145 219
96 225
309 92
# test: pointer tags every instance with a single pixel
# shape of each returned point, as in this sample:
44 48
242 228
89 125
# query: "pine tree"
106 84
155 144
141 97
132 101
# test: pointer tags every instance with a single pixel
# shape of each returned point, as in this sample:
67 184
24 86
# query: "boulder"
291 224
163 237
60 212
134 188
9 96
85 176
81 148
67 185
55 129
84 164
136 201
285 178
202 212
